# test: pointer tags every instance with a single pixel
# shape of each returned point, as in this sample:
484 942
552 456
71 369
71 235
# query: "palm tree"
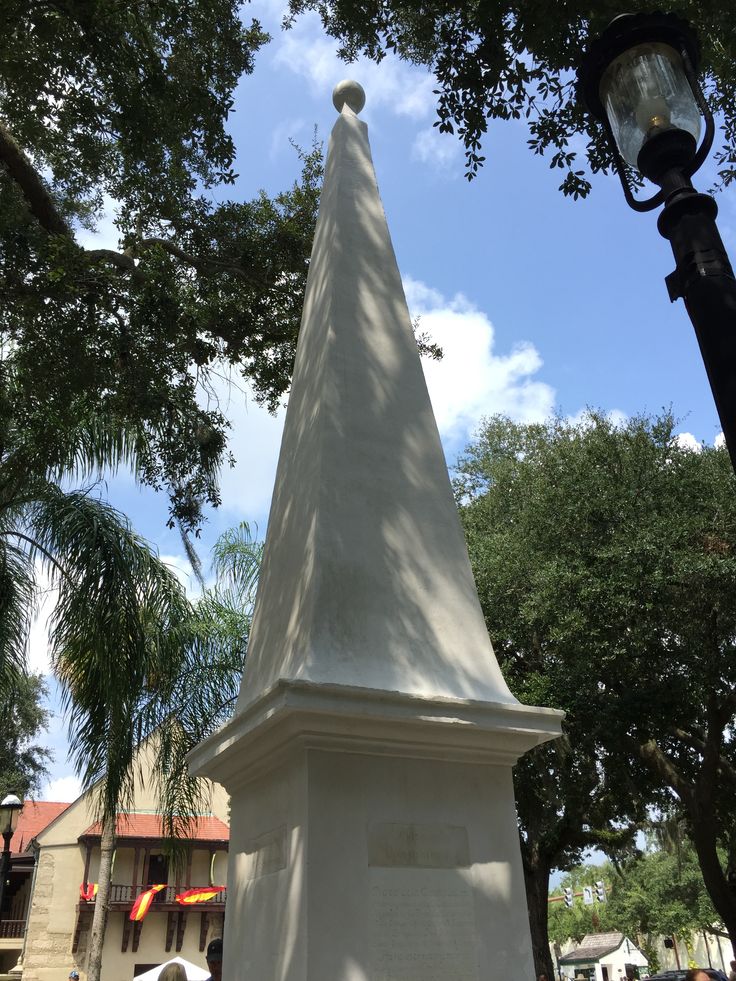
202 695
115 626
130 656
176 682
116 622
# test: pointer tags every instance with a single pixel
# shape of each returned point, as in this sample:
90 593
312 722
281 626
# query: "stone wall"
50 928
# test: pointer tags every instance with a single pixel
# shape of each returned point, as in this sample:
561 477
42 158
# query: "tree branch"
725 767
655 759
207 266
200 264
25 175
44 209
119 259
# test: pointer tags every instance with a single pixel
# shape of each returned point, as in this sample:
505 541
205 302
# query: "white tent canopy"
193 972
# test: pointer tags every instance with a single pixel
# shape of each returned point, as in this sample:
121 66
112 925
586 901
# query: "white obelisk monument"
373 825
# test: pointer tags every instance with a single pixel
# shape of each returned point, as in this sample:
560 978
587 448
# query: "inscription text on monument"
267 853
422 846
422 926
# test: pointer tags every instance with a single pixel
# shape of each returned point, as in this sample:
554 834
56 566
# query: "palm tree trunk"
99 918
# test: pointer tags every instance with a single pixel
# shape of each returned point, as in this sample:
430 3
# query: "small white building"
604 957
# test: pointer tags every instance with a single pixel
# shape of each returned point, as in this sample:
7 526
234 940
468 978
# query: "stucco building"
604 957
45 924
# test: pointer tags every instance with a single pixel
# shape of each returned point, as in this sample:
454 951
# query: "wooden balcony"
122 898
12 929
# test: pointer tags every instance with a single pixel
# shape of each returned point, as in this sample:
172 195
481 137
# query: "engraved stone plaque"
424 846
422 926
267 853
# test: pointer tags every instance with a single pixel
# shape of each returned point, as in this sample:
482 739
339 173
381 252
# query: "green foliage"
524 491
653 894
218 632
575 921
142 350
128 100
662 893
23 717
113 633
495 60
112 625
126 106
188 705
605 560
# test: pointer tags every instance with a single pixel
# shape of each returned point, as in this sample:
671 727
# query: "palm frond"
236 562
17 591
112 632
212 646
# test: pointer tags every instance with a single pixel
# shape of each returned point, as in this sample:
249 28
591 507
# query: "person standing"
696 974
214 959
173 972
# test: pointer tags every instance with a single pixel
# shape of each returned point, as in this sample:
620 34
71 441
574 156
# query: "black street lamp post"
639 79
10 808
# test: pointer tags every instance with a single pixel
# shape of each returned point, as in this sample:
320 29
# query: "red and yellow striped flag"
201 895
88 891
143 903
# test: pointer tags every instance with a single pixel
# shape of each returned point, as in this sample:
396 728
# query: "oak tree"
605 559
23 720
498 60
108 107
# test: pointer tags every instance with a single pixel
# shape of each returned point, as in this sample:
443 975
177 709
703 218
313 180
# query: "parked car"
712 972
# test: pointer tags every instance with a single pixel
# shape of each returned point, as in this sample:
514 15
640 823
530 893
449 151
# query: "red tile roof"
149 826
34 817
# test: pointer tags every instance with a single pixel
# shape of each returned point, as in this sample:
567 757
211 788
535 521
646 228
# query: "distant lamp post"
639 79
10 808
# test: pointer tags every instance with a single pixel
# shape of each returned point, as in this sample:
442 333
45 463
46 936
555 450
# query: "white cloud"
38 638
582 418
182 569
405 89
254 440
719 441
66 788
268 11
106 235
286 130
686 441
439 150
472 380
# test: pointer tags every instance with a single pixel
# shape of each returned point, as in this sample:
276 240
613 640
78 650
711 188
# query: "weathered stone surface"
373 831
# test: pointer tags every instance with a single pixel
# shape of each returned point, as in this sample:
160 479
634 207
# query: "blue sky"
540 303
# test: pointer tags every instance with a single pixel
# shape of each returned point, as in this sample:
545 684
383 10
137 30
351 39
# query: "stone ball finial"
350 92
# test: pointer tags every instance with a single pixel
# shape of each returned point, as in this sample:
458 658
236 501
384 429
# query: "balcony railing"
123 897
12 929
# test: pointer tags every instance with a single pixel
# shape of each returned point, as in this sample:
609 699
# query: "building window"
158 870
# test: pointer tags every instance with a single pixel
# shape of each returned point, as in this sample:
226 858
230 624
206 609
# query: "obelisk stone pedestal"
373 829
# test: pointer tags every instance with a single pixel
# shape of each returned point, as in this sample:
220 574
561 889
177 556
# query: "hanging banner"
143 903
192 896
88 891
